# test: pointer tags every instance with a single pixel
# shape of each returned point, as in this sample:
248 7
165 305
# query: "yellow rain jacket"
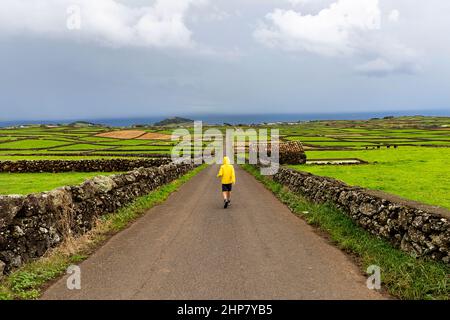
227 172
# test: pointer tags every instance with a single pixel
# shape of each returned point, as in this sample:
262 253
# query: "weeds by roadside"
28 281
403 276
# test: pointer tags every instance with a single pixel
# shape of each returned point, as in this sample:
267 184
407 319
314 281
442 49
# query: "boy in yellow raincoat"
228 179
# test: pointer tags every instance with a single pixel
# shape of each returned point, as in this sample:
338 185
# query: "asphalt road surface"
191 248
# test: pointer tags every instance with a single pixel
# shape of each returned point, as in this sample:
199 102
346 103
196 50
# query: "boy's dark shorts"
226 187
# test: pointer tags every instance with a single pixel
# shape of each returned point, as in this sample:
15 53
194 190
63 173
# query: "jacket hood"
226 160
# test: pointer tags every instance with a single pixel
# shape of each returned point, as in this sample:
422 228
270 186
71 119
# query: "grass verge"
403 276
28 281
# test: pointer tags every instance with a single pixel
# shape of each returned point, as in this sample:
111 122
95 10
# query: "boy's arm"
233 177
220 172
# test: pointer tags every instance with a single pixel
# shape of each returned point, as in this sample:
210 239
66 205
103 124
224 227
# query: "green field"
417 169
68 143
40 140
403 131
56 157
421 174
407 156
25 183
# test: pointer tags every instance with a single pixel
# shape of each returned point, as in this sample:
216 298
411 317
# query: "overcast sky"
63 59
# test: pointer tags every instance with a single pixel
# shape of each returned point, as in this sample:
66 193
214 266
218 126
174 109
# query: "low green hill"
174 121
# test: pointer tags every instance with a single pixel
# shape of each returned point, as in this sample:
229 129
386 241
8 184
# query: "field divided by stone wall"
32 224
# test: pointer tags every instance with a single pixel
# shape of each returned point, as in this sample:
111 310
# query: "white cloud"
345 28
381 67
107 21
331 32
298 2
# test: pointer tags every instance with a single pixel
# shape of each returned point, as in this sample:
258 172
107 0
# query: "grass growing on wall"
403 276
28 281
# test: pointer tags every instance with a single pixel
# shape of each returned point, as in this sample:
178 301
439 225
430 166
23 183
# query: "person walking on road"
228 179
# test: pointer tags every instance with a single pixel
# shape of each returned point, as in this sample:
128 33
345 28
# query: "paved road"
191 248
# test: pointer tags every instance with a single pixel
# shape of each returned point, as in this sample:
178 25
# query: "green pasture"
338 143
117 152
4 139
309 139
32 144
416 173
81 147
25 183
56 157
111 141
8 152
359 134
143 148
39 140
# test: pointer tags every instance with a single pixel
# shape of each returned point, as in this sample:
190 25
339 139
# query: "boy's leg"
229 197
225 199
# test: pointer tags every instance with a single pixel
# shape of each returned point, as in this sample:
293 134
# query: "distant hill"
174 121
83 124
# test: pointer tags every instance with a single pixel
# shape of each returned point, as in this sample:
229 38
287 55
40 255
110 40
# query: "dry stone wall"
291 152
32 224
418 229
94 165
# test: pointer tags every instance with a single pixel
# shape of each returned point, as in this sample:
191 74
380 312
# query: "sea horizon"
231 118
